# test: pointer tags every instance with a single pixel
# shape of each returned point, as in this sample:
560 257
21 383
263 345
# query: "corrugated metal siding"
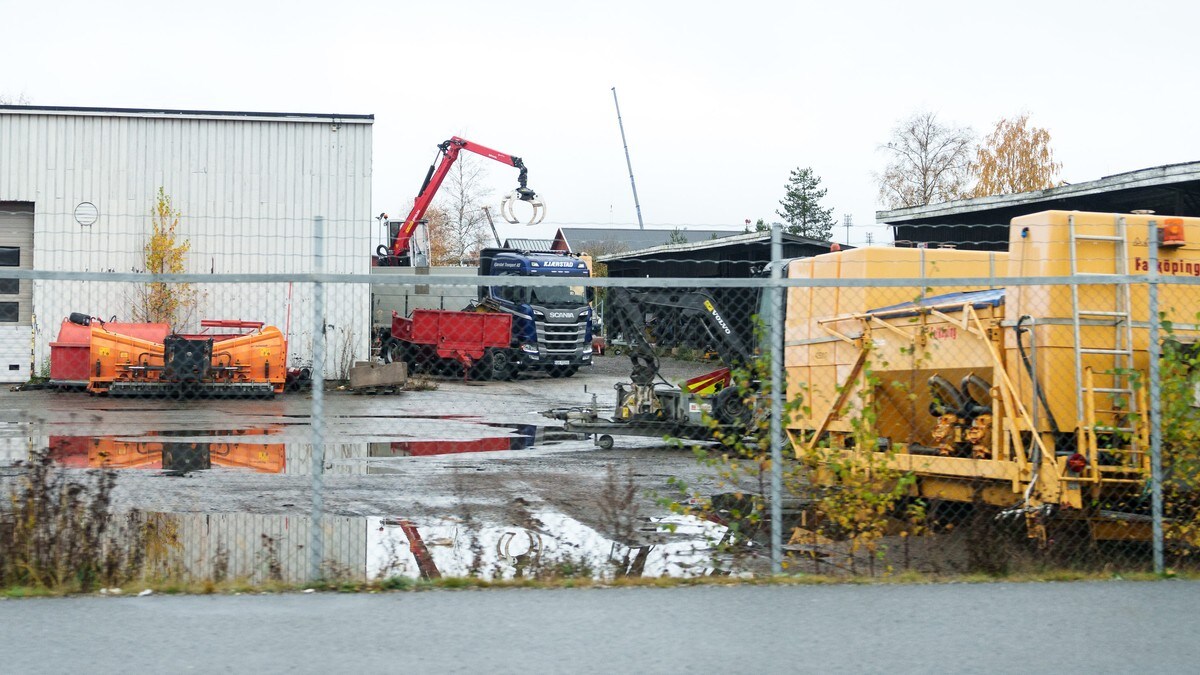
258 547
248 191
422 294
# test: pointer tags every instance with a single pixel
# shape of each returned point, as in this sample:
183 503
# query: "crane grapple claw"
523 195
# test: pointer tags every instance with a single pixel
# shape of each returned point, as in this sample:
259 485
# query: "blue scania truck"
551 325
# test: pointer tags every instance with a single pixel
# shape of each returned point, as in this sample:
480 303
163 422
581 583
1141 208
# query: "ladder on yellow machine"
1119 399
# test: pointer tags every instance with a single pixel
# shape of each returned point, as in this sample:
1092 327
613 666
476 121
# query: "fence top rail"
597 282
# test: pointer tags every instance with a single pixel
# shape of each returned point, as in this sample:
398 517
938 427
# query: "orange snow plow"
249 363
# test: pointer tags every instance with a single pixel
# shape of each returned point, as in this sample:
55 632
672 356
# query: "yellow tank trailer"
949 372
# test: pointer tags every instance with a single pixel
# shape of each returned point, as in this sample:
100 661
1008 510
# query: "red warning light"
1172 233
1076 463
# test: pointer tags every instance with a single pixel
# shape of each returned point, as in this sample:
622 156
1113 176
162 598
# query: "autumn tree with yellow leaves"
1015 157
163 253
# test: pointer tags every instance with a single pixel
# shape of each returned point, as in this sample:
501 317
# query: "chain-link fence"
862 412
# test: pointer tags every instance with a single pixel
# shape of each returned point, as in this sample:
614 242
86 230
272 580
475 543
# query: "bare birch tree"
464 232
1014 158
928 162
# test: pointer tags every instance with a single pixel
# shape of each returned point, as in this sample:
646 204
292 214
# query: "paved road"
1116 627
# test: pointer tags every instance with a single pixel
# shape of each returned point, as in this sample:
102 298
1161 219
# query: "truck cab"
552 325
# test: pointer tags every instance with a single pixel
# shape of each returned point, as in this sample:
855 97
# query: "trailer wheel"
496 364
398 351
605 442
393 351
729 407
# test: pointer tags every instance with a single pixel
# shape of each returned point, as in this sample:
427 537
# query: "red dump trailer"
477 344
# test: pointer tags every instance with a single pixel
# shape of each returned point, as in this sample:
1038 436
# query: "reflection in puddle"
199 449
672 546
171 455
405 416
260 548
526 436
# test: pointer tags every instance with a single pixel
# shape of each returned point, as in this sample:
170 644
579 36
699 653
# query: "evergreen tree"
802 206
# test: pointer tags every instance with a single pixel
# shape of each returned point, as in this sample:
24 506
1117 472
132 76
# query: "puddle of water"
261 449
262 547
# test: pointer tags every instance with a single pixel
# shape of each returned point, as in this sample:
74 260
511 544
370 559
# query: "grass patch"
405 584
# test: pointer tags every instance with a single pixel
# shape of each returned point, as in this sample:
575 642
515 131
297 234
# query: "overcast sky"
720 99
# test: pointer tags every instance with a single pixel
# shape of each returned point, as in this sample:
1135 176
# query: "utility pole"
487 212
870 237
636 203
848 220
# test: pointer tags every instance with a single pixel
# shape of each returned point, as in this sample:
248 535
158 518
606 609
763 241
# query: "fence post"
316 532
1156 492
776 318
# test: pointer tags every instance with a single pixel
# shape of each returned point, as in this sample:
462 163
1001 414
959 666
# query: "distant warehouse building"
78 187
738 256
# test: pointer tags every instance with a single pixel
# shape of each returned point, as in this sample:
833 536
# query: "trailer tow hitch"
523 194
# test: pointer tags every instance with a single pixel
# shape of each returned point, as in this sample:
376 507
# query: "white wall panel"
248 190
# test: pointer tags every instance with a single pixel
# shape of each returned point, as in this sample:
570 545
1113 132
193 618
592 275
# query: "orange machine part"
114 357
69 360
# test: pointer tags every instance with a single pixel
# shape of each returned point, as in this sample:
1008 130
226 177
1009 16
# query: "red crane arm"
433 180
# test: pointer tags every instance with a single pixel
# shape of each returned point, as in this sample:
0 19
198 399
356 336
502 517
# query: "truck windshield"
557 295
545 296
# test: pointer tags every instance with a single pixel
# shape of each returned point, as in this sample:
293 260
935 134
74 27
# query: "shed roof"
738 257
529 244
1171 189
186 114
575 237
727 241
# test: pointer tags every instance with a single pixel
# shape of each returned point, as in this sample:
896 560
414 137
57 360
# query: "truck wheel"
605 442
562 371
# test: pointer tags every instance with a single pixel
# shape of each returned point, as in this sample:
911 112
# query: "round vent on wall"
86 213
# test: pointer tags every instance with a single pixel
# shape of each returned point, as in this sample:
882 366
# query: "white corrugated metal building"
77 190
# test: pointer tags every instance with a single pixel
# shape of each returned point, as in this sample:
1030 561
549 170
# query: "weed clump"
59 532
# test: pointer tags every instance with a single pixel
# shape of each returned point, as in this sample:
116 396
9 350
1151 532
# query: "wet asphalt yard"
466 454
